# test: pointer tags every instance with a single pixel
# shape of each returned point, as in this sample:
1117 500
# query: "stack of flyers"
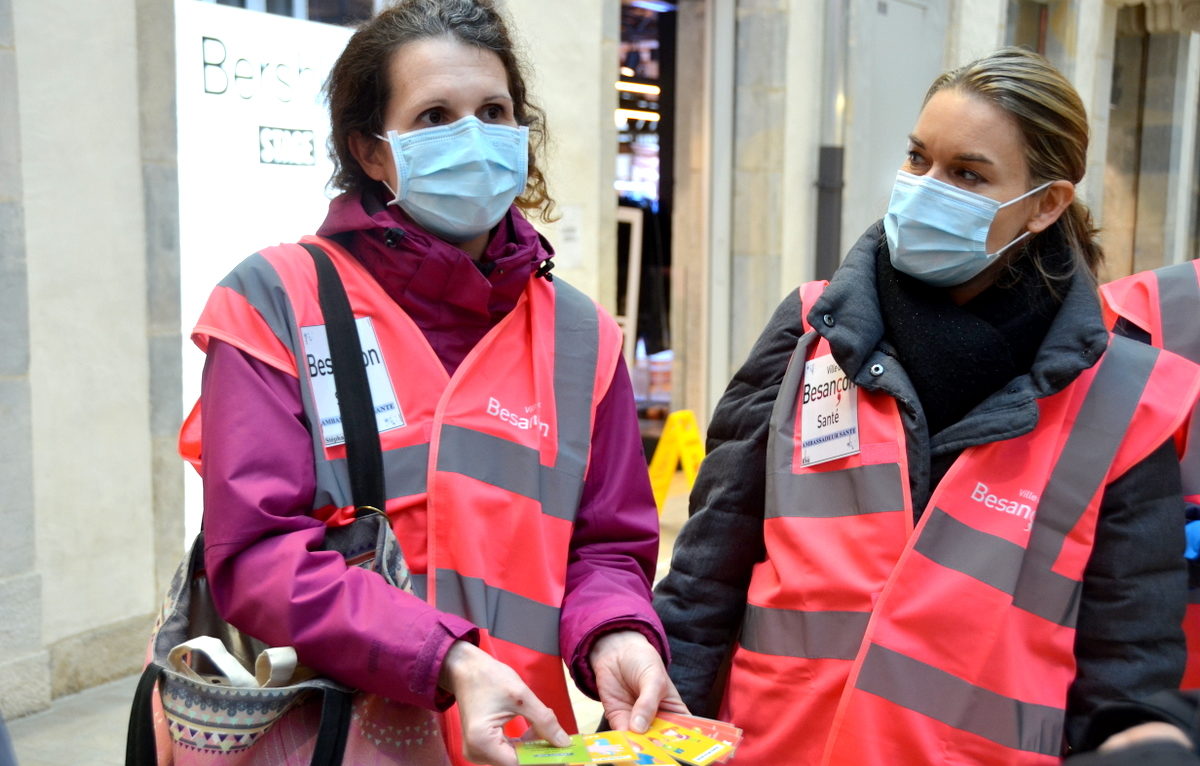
647 752
694 741
672 739
718 730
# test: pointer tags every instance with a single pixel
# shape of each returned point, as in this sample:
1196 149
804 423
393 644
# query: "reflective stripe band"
848 492
506 615
420 586
958 546
829 494
1082 466
781 437
576 354
404 470
509 466
1026 574
999 563
794 633
944 697
256 280
1189 464
1179 299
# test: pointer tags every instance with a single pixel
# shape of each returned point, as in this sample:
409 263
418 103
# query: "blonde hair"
1052 121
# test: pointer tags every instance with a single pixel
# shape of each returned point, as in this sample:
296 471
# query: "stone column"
24 662
160 180
760 83
571 49
90 461
1080 42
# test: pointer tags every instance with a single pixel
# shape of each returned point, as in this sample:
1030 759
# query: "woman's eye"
914 158
970 176
433 117
493 112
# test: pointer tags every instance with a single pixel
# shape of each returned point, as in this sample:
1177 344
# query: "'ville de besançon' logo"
1022 510
527 421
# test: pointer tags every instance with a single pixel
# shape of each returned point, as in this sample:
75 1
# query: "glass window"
343 12
340 11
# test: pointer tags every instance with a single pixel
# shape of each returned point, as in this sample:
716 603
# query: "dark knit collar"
957 356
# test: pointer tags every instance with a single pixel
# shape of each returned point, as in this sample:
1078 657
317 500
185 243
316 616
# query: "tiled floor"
88 729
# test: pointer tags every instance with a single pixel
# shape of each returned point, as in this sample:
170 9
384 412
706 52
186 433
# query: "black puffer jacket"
1129 642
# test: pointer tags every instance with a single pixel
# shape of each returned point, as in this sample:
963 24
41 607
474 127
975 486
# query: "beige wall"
571 48
81 171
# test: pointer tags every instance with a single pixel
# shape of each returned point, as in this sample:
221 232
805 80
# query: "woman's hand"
489 695
1153 731
631 680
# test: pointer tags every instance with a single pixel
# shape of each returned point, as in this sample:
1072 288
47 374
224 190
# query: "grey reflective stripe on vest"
511 467
1026 573
506 615
420 585
404 468
866 489
256 280
576 354
849 492
517 468
1086 458
797 633
1179 301
935 693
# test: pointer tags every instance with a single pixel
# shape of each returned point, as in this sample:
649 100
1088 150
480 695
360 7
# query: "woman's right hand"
489 695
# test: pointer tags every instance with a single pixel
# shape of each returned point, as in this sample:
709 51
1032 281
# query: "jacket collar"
437 283
848 315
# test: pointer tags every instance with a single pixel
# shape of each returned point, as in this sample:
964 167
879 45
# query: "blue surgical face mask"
458 180
937 232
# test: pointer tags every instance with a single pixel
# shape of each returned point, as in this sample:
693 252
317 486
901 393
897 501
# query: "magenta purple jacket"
259 482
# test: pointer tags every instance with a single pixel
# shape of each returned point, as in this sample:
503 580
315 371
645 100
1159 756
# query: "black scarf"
957 356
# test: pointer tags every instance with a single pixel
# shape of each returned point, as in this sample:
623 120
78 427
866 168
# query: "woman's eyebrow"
963 157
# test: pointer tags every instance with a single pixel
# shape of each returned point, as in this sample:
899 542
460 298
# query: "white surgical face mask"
937 232
458 180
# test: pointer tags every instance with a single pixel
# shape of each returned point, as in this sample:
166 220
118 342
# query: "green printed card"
541 751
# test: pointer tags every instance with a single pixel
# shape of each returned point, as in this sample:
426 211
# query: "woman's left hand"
631 680
1146 732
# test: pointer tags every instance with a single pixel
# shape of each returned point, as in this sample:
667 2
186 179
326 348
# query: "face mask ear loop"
1000 252
1026 233
1029 193
395 197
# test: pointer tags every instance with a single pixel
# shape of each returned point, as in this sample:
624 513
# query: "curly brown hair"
358 88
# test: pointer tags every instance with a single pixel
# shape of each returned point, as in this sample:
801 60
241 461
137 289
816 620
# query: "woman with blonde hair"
939 517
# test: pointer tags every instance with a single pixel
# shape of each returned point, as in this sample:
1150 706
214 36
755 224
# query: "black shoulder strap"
363 455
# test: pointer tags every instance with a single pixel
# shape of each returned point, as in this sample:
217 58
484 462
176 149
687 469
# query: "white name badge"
320 375
828 413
